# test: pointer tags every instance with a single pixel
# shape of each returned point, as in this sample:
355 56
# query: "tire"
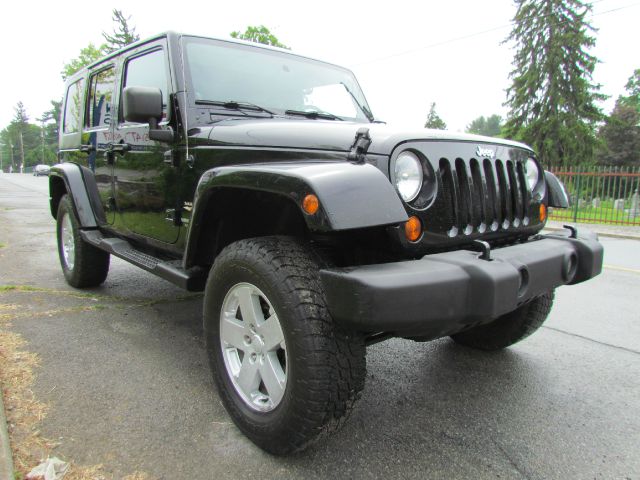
509 328
83 264
320 367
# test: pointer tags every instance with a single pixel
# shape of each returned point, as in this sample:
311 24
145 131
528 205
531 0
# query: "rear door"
145 179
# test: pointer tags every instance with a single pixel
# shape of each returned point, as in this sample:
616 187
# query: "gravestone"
634 211
618 204
595 202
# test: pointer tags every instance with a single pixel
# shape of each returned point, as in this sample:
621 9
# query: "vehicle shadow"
425 407
429 406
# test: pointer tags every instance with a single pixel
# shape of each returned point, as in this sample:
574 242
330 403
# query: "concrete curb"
6 458
600 233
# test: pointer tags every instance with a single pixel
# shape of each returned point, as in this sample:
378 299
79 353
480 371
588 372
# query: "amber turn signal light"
543 213
413 229
310 204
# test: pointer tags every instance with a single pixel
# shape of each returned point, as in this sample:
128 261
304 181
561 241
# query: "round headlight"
532 172
408 176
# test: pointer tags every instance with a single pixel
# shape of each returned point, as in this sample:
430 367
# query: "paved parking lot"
125 374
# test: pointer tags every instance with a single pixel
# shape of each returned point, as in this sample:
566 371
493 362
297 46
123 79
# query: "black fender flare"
351 195
80 183
556 193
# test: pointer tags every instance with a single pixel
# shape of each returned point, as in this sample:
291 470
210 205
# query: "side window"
72 107
148 70
100 98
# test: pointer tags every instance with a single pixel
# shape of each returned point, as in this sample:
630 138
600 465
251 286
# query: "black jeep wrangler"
262 178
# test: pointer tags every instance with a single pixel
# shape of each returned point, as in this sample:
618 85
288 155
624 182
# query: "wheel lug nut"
247 339
253 357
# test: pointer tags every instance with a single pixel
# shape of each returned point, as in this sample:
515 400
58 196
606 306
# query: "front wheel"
285 372
509 328
83 264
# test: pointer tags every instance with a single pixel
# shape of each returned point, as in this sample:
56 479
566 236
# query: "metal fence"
600 195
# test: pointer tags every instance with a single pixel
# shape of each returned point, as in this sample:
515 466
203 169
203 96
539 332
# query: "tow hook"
484 248
573 231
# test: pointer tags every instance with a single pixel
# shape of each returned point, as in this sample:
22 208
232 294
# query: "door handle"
170 158
87 148
119 147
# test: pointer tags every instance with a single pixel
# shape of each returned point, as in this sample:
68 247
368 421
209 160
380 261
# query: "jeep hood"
323 135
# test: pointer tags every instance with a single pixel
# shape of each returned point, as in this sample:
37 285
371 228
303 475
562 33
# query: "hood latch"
360 146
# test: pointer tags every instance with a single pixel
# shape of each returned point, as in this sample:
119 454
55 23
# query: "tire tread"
334 356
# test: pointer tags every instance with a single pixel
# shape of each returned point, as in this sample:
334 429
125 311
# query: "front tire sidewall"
259 426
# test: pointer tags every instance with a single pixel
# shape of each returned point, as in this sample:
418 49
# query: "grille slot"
483 195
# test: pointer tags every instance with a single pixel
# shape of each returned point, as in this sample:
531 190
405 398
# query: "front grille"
483 196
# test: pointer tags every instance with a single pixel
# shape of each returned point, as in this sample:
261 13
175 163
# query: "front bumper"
444 293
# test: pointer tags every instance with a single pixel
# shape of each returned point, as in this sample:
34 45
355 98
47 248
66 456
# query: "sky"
405 54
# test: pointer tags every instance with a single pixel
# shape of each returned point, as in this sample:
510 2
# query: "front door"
144 176
96 134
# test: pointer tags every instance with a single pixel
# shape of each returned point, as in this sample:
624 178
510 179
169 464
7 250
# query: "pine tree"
433 119
123 34
552 100
19 126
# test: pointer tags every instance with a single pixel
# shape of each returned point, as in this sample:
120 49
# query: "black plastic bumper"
444 293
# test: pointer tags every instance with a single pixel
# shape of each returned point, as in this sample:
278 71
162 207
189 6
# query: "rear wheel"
83 264
285 372
509 328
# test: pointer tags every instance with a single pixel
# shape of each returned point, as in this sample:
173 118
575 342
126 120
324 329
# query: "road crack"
617 347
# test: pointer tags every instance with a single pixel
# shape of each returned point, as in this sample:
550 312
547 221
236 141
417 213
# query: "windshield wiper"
234 105
313 114
365 110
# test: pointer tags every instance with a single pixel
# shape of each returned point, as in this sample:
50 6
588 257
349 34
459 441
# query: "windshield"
277 81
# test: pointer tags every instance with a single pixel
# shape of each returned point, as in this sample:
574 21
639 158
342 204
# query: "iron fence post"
575 209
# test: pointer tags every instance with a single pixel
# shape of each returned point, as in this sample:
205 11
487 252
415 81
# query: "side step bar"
192 280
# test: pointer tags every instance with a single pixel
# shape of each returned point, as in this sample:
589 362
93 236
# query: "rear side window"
72 107
100 98
148 70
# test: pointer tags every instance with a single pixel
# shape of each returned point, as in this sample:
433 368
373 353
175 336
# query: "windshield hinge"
360 145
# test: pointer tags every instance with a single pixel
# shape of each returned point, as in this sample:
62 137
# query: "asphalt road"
126 376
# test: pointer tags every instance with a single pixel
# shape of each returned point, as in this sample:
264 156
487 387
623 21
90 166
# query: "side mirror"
555 190
144 105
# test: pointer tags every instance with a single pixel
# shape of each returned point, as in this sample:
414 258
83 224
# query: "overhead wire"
482 32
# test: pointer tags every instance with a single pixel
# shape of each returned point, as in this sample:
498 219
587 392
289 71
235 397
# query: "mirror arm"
161 134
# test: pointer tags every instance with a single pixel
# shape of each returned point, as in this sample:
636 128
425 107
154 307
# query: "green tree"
633 91
621 137
123 34
552 98
620 134
88 55
433 119
259 34
490 126
19 127
50 128
23 140
51 120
